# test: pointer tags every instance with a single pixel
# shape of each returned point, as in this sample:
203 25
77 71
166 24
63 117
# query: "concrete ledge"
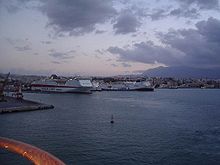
14 105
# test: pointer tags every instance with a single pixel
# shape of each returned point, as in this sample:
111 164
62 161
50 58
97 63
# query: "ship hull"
128 89
143 89
61 89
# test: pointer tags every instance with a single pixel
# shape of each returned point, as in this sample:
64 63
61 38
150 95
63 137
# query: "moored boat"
62 85
129 86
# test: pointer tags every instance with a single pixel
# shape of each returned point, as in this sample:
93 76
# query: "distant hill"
183 72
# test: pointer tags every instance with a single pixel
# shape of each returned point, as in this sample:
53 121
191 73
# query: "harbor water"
168 126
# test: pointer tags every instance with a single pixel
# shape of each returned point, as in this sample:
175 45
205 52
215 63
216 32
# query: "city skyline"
102 38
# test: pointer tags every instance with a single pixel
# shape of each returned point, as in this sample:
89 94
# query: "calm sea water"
162 128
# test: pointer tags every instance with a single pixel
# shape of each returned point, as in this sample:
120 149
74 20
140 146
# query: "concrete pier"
14 105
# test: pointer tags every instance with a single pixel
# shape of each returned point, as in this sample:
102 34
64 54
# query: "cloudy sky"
104 37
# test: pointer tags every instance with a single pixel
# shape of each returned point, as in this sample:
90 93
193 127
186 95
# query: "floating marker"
112 119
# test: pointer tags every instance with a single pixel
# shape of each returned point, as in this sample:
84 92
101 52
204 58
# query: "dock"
21 105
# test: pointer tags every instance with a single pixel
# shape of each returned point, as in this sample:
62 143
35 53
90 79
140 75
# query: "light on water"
162 127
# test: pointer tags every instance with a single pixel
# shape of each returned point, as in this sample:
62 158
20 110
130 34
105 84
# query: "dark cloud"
71 51
100 51
134 35
99 31
61 55
46 42
56 62
10 7
125 65
198 47
77 17
114 65
18 41
187 13
201 46
127 22
202 4
22 48
186 9
158 14
36 54
210 29
11 41
51 50
140 10
147 52
13 6
109 60
20 44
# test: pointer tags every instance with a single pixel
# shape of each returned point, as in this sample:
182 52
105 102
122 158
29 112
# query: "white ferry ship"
139 86
128 86
62 85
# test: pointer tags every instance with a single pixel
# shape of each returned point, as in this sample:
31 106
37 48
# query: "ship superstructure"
62 85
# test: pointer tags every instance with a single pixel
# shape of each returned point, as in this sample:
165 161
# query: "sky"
107 37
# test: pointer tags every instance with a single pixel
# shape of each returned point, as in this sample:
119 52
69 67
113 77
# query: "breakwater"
20 105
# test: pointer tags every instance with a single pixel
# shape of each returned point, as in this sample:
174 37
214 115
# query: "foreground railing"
34 154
